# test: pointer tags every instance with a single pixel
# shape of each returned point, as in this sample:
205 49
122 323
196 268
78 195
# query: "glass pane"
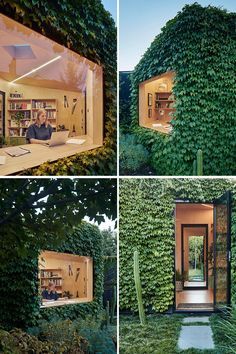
221 251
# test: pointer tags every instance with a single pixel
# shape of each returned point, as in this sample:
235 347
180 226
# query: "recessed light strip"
36 69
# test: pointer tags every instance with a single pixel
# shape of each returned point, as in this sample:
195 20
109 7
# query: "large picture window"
156 103
65 279
37 74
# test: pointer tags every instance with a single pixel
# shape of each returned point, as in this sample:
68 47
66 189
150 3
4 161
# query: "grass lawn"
160 335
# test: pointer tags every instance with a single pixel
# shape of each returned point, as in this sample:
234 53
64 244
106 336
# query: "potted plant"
17 118
179 279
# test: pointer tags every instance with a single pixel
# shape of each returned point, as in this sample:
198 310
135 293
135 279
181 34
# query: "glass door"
2 117
222 251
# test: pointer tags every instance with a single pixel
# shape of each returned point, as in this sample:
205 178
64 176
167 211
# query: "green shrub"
227 326
99 341
133 155
63 335
19 342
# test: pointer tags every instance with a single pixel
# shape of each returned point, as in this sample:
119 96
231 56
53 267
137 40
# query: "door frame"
4 112
229 200
184 201
182 255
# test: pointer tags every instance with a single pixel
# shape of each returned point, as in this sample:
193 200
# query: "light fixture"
36 69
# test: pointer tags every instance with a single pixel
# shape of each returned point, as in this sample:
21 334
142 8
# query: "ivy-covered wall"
147 224
199 45
19 300
88 29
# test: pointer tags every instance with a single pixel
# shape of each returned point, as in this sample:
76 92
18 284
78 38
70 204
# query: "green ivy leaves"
199 44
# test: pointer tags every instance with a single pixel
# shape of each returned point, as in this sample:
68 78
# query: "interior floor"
194 300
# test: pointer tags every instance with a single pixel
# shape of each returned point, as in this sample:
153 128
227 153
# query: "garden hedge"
199 45
85 27
147 225
19 286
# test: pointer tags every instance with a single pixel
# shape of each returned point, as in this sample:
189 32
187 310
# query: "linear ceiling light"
36 69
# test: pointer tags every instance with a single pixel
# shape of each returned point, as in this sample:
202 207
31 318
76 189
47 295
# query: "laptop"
58 138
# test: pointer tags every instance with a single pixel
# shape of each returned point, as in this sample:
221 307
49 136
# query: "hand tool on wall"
70 270
77 274
66 104
75 101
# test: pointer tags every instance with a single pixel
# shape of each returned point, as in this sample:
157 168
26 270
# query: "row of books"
48 274
41 104
13 132
23 124
25 113
50 114
19 105
57 282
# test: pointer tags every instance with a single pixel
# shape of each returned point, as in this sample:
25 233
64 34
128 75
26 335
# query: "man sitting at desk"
39 132
50 293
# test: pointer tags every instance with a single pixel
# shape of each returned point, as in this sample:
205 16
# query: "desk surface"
160 129
40 154
59 302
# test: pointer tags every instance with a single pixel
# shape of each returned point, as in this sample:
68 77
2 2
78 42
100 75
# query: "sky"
141 20
111 6
104 225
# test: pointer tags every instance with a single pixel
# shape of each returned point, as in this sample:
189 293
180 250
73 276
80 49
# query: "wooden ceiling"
23 50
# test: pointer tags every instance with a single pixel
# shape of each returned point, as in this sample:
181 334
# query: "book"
16 151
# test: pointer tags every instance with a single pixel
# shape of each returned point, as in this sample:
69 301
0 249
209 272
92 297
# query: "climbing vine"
147 225
199 45
88 29
19 301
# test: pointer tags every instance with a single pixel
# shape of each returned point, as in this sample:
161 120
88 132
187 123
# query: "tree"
35 211
109 242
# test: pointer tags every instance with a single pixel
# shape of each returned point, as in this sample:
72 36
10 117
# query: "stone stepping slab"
202 319
197 337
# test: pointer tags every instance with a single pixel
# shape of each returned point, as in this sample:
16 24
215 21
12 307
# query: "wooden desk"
160 129
40 154
59 302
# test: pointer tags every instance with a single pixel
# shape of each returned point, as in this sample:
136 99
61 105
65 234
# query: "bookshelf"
54 275
164 102
26 111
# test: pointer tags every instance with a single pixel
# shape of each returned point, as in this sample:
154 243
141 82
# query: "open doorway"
194 257
202 255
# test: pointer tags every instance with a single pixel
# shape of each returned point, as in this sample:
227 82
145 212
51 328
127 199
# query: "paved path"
194 336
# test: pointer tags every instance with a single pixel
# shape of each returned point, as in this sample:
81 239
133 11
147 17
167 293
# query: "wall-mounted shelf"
29 108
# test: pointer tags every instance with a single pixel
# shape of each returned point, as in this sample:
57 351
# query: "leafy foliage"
124 101
199 46
52 206
133 155
19 301
17 341
88 29
147 224
160 335
227 326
